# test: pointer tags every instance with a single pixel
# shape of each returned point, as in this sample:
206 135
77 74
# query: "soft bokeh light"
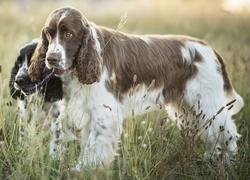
236 6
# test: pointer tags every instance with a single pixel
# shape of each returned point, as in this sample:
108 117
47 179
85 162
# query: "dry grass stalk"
190 120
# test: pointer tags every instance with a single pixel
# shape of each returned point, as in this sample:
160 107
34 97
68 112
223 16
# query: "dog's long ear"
88 60
37 69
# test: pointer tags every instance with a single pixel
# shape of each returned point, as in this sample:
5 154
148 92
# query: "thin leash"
40 84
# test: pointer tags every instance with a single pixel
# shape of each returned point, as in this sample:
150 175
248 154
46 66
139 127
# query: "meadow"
151 147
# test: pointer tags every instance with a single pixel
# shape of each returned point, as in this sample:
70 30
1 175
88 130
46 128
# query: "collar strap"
45 80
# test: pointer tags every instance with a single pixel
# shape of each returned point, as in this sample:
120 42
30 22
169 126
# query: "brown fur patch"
158 59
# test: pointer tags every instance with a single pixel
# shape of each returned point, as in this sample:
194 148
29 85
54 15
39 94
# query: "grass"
150 147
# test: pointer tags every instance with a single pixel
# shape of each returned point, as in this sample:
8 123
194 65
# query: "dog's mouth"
17 87
22 89
61 67
60 72
41 83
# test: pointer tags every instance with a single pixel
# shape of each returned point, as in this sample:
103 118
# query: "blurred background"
193 17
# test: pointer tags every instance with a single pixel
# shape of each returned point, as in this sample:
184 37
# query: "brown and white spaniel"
109 75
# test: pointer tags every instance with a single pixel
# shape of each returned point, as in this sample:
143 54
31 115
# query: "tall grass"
151 147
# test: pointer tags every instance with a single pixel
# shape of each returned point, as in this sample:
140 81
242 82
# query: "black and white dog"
48 96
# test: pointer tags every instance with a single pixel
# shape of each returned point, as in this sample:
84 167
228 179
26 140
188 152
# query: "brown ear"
88 60
37 69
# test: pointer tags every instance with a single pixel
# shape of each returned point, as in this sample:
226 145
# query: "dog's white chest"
77 96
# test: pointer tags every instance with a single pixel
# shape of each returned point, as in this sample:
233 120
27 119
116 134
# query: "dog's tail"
237 105
230 93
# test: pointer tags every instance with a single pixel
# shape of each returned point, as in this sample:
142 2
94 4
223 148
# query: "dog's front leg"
59 115
24 118
56 135
100 148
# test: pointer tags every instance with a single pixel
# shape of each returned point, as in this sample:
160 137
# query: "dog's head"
67 42
20 79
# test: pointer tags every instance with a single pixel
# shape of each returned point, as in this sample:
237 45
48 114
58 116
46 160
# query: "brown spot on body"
157 61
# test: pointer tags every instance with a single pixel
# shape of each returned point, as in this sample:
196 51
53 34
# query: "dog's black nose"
22 80
53 58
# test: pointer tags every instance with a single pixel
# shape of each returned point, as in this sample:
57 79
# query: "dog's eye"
68 35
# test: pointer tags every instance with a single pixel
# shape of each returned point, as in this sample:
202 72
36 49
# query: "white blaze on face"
56 47
24 67
23 71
